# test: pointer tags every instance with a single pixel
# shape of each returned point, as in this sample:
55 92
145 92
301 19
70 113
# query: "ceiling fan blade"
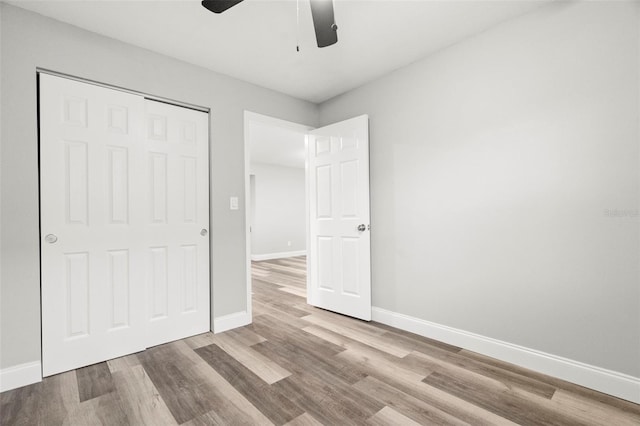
324 22
219 6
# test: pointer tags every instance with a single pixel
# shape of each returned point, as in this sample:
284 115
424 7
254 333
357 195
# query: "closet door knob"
203 232
50 238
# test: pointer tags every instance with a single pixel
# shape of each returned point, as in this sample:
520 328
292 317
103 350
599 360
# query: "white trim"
20 375
247 209
307 209
282 255
122 89
603 380
230 321
248 118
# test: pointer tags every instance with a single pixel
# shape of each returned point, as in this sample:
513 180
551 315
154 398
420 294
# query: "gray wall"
505 183
278 210
30 41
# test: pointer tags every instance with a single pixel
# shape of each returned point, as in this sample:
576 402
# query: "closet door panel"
93 267
176 144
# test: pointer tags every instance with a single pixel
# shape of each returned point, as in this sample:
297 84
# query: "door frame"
253 117
148 96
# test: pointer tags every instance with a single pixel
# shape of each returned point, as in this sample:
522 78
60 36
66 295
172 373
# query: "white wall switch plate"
233 203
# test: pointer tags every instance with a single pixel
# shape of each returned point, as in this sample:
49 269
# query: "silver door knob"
362 227
50 238
203 232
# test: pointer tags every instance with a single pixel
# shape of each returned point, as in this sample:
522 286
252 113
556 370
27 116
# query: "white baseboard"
269 256
228 322
600 379
20 375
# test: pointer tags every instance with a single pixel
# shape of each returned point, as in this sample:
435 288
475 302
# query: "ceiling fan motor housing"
321 11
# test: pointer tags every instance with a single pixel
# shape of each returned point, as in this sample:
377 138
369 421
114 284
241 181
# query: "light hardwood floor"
298 365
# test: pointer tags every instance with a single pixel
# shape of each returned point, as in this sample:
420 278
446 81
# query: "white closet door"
176 221
124 186
93 269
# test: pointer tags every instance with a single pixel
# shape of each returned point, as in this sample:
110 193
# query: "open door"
338 261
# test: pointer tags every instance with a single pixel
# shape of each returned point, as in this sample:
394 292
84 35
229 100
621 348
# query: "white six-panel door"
117 251
92 273
177 221
339 241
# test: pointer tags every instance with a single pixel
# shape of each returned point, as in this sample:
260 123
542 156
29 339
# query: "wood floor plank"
417 345
19 406
456 365
302 293
172 375
328 403
245 336
597 413
265 398
281 306
214 418
231 407
306 395
370 361
415 409
277 330
280 271
123 363
304 419
188 355
356 325
144 404
418 340
362 335
376 365
511 378
357 405
260 308
211 418
501 401
94 381
264 290
106 409
260 365
267 310
299 360
47 402
452 404
348 343
200 340
281 278
390 417
457 360
589 394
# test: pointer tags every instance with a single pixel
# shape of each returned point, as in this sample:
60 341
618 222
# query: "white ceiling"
255 40
270 144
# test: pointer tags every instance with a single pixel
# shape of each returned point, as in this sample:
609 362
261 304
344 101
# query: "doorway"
276 195
124 215
337 210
